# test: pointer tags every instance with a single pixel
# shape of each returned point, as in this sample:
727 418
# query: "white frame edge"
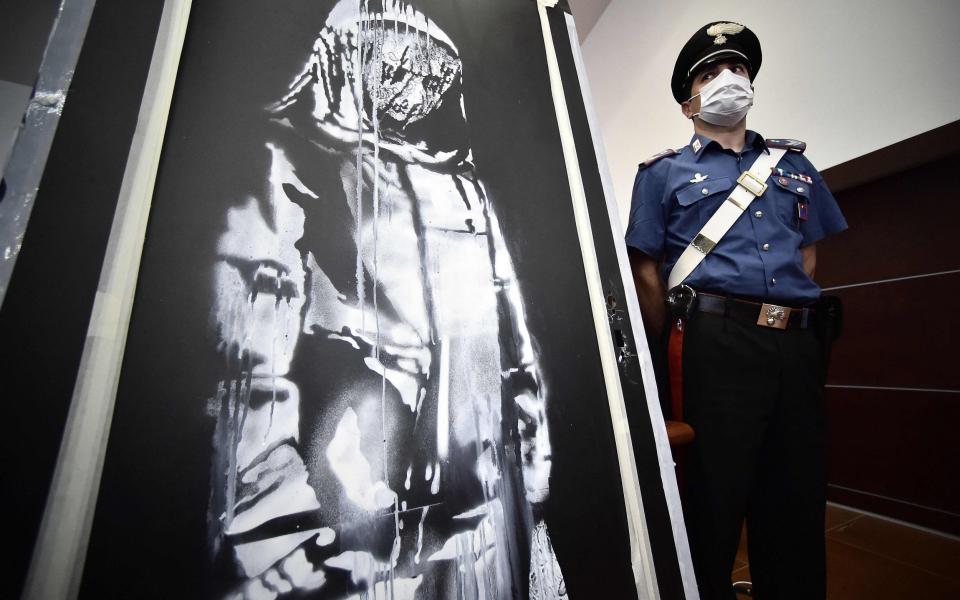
56 567
664 454
641 555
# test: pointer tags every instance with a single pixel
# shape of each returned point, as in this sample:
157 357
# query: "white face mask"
725 100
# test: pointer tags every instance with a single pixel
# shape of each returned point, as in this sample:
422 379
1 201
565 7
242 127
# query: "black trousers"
754 396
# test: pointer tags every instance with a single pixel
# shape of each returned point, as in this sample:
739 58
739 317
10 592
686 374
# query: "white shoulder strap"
751 184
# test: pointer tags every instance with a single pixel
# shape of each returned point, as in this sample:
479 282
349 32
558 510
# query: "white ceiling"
586 13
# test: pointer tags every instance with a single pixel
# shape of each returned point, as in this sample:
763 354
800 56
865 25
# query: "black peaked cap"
721 39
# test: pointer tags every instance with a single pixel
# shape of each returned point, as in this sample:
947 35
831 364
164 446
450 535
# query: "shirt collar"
700 143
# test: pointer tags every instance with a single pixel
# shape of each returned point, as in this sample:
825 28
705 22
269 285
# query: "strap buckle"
752 183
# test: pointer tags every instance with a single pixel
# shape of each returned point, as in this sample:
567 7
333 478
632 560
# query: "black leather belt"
763 314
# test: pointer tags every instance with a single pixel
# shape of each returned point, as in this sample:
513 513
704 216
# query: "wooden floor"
874 559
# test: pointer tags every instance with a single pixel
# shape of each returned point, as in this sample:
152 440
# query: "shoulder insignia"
794 145
658 156
781 173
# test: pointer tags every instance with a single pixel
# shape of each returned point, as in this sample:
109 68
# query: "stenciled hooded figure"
383 427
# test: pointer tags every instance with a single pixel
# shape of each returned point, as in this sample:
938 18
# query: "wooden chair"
679 434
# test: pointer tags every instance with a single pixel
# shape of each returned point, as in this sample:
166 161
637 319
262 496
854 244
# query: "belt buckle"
774 316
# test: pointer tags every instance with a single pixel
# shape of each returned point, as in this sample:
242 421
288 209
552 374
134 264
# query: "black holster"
681 302
829 323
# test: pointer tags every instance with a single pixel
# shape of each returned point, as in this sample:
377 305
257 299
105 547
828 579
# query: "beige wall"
586 13
848 77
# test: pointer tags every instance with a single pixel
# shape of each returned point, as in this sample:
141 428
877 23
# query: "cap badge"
720 31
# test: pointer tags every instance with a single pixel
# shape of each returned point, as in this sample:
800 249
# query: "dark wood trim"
924 516
911 152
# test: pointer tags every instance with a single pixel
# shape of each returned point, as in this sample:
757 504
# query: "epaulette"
658 156
794 145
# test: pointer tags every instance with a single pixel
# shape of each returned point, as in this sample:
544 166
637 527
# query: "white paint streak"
302 573
275 581
435 483
256 557
447 552
278 483
352 468
258 590
326 536
443 402
400 588
423 517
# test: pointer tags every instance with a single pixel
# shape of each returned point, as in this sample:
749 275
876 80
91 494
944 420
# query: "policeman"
730 222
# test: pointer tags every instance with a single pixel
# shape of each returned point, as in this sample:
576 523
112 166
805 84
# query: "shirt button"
765 247
704 191
758 214
773 281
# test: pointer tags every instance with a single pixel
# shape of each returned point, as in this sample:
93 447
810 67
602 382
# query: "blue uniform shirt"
759 257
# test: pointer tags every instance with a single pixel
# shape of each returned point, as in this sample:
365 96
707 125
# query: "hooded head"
389 73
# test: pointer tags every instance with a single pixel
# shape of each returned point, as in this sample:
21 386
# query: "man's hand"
650 290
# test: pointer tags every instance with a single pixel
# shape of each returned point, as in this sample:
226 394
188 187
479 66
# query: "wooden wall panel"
899 334
893 396
900 225
898 451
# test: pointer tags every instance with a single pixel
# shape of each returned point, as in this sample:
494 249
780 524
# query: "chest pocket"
708 188
704 197
790 194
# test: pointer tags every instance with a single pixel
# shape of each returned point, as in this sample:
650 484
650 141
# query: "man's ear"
686 109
